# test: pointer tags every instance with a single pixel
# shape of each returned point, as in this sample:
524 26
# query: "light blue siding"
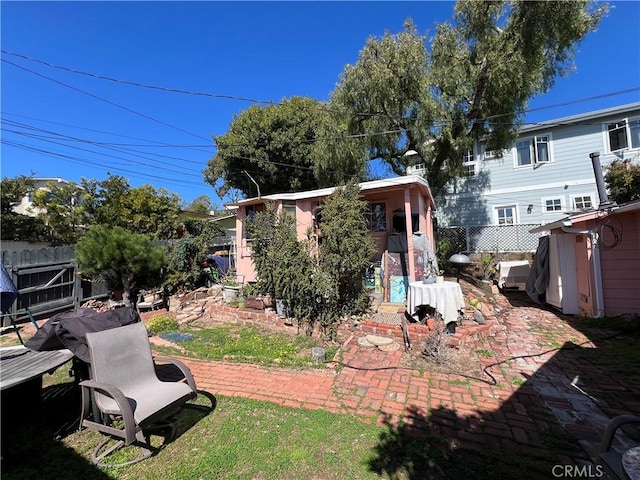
568 175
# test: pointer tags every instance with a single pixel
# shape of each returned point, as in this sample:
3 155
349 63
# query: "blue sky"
263 51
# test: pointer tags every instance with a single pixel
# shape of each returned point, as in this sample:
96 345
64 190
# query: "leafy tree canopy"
473 84
623 181
69 209
16 226
273 146
60 207
144 209
201 204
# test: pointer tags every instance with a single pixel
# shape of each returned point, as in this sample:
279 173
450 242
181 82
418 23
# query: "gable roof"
582 117
384 184
586 216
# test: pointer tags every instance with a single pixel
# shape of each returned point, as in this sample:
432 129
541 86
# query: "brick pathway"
533 388
547 393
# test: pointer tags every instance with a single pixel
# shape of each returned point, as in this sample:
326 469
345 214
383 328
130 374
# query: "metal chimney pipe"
602 190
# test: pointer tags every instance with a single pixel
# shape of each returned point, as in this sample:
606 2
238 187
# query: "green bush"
445 247
323 288
163 323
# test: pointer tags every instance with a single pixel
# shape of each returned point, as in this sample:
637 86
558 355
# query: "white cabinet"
562 291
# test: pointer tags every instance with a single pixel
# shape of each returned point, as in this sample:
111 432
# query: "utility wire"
92 163
137 84
151 143
325 107
110 146
104 100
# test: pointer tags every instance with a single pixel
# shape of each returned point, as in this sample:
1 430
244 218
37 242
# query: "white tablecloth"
445 297
514 273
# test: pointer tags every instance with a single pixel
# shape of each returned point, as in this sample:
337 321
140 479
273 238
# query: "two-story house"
25 207
546 175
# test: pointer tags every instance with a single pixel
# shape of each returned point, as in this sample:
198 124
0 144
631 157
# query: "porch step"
388 307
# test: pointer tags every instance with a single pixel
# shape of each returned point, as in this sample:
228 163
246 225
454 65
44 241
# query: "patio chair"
132 403
608 457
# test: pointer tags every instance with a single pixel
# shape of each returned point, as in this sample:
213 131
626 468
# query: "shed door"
562 291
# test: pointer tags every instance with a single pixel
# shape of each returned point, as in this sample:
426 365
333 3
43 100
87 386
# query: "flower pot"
230 294
282 308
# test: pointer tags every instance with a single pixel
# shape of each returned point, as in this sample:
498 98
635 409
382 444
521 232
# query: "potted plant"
230 290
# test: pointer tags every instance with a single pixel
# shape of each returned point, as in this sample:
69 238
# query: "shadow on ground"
33 433
554 418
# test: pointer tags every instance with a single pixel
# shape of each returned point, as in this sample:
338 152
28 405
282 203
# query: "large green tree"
16 226
473 84
144 209
60 207
270 149
69 209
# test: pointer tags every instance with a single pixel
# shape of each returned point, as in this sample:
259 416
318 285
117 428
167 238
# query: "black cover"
69 329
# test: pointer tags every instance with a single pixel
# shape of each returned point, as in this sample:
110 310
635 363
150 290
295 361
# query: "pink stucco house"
397 205
594 262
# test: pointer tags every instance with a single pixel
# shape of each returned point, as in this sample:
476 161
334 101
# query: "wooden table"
445 297
20 365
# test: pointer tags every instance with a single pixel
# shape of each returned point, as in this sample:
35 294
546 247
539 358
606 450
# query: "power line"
157 143
104 100
271 103
109 146
137 84
94 164
130 161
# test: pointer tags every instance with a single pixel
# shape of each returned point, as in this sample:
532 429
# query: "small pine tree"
124 260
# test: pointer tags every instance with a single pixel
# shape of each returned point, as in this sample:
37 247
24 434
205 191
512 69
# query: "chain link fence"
492 238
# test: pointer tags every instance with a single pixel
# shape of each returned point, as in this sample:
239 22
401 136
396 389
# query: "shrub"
437 348
163 323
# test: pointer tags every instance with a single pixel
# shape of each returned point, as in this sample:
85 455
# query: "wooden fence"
48 281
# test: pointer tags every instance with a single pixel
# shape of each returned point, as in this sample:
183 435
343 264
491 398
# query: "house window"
289 208
399 222
252 209
506 215
623 134
489 154
533 151
552 205
582 202
377 217
469 164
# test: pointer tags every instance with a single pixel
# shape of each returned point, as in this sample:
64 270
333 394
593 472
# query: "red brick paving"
371 384
531 395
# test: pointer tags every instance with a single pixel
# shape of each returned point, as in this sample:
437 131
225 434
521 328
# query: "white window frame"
470 163
591 196
377 221
534 150
545 209
514 216
630 127
289 207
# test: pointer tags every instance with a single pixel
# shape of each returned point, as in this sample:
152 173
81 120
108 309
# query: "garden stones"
385 344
